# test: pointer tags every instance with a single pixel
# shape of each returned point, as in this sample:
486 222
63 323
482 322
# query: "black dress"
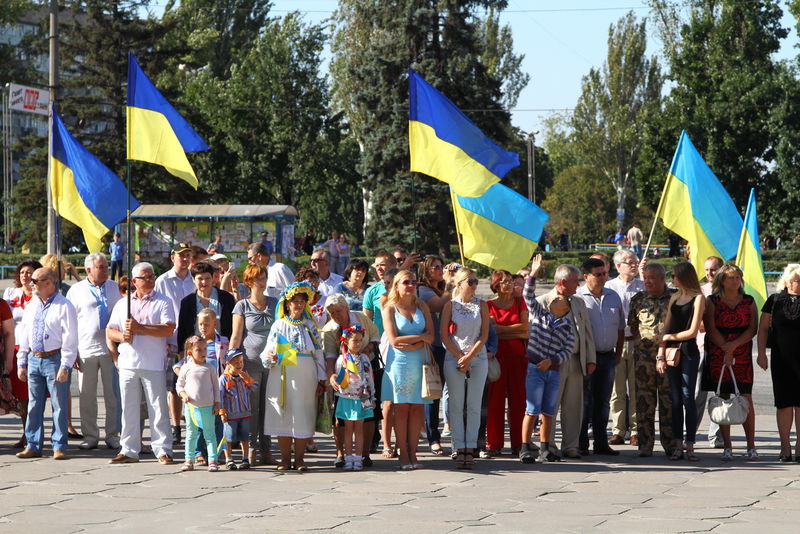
785 353
680 319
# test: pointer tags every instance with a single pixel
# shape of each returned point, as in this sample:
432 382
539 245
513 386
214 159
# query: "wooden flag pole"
458 228
655 219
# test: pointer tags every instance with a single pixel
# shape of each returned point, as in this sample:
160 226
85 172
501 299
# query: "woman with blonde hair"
780 330
464 330
409 329
731 322
681 325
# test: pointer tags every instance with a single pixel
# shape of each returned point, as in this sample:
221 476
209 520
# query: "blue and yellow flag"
446 145
500 228
156 132
85 192
695 206
287 355
748 257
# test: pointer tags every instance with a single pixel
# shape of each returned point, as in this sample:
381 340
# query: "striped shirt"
235 394
548 336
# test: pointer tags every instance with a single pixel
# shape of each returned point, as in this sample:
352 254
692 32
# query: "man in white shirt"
142 364
174 285
635 237
623 397
321 261
94 298
279 276
47 351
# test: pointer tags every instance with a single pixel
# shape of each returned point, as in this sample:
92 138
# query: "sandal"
692 457
388 452
460 460
469 460
438 451
677 454
200 460
311 447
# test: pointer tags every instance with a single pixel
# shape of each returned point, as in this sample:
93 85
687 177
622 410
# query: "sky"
561 41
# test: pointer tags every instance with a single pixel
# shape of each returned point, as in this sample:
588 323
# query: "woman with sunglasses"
464 330
409 328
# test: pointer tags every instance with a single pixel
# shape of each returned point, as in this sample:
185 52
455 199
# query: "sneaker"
552 457
727 455
213 467
230 465
358 465
348 463
187 466
527 454
244 465
751 455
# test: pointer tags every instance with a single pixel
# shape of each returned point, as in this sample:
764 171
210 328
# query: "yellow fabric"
675 211
749 261
152 139
446 162
68 203
491 244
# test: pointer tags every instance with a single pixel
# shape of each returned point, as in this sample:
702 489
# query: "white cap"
218 257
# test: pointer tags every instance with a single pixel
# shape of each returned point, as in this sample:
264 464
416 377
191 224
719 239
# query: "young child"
550 342
198 387
216 349
234 390
355 386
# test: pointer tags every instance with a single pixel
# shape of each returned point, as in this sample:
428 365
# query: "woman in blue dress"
409 329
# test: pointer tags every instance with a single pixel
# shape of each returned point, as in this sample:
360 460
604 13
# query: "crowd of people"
255 368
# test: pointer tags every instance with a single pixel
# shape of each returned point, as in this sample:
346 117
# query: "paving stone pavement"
620 494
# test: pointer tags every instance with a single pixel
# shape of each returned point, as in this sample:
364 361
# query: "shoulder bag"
731 411
431 377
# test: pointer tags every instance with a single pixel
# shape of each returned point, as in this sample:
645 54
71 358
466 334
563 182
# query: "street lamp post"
532 166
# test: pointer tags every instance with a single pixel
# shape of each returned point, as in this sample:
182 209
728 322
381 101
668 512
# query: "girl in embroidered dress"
355 388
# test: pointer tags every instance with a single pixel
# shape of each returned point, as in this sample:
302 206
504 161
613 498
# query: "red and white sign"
28 99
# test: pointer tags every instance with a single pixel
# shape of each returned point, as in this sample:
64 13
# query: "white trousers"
91 368
131 383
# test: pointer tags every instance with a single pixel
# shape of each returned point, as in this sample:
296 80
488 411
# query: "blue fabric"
541 391
206 416
464 403
682 380
238 430
352 410
218 430
41 381
117 251
99 294
402 380
596 401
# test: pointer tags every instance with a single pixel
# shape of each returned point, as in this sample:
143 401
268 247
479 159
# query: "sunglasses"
472 281
36 281
409 282
437 268
318 260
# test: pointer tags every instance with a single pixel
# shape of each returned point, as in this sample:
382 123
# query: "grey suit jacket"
580 315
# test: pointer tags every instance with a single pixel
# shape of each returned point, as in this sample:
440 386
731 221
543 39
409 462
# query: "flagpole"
128 241
458 228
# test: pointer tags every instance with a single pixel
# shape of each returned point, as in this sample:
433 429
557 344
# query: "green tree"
374 44
586 187
607 123
734 100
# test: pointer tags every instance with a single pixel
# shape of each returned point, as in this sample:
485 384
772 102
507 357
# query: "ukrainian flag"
156 132
446 145
748 257
85 192
287 355
500 228
695 206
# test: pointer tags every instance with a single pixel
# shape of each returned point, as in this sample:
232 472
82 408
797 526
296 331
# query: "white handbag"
731 411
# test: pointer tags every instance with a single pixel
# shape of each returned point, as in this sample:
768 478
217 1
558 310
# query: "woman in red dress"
510 316
17 298
731 321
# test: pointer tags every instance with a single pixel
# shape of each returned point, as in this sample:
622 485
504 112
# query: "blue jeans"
597 401
41 381
682 380
432 409
541 391
465 399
